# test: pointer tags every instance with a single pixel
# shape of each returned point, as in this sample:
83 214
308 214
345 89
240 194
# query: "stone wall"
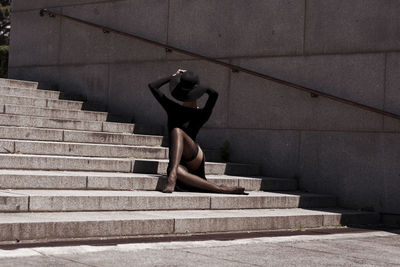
346 48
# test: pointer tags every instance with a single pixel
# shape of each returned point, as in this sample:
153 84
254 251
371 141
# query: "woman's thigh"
196 162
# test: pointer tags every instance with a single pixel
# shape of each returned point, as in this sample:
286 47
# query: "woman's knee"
177 131
181 171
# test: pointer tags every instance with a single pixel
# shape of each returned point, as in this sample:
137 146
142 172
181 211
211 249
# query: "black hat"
185 87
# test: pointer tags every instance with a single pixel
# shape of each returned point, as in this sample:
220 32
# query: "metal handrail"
234 68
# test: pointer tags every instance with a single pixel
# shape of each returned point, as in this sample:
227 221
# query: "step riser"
115 182
145 166
26 121
54 113
66 230
65 164
21 133
137 203
18 84
41 102
31 134
11 161
109 138
12 91
65 149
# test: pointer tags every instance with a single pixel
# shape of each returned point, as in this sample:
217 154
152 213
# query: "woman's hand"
179 71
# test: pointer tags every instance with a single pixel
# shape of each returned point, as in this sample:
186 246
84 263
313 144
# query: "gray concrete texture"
11 160
95 200
64 180
359 249
40 226
345 48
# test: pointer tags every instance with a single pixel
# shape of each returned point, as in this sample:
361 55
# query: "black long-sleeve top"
190 120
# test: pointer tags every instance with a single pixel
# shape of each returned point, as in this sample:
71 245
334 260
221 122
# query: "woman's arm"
212 99
155 88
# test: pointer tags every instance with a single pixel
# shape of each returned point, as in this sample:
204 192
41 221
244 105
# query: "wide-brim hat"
185 87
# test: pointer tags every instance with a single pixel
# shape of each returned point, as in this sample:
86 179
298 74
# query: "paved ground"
352 248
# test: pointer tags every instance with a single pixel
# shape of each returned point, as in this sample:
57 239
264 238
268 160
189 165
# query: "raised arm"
212 99
155 89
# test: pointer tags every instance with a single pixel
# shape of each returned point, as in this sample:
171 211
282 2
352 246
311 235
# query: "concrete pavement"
365 248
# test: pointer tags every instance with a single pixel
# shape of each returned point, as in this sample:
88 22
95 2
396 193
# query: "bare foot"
170 187
233 190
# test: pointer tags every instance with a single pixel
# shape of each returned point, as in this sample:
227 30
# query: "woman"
186 159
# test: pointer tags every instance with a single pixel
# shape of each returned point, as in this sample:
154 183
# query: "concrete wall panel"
334 116
358 78
256 103
222 28
391 172
129 93
148 20
392 92
81 43
270 149
38 4
347 165
391 125
34 40
88 80
48 77
342 26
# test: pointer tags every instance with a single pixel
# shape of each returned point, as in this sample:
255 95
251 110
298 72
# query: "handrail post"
45 11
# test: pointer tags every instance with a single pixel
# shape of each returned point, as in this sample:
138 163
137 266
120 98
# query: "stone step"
54 113
154 166
55 123
18 83
29 92
86 150
95 200
80 149
28 133
36 179
41 102
47 226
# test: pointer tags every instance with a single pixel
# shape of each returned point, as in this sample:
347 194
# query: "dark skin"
181 147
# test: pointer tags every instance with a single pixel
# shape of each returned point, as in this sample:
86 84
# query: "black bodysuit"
190 120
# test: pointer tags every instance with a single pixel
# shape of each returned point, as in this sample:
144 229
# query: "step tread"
40 179
61 123
103 200
42 98
81 144
140 193
44 217
16 91
120 174
21 83
116 159
56 109
77 131
60 119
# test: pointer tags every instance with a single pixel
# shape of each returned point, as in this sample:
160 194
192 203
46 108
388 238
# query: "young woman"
186 159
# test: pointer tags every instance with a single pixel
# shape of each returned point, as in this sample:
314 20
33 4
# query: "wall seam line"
384 89
304 27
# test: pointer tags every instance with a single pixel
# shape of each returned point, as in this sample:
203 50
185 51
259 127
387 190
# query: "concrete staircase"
67 174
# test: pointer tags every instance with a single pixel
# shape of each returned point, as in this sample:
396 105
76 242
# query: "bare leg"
195 181
181 145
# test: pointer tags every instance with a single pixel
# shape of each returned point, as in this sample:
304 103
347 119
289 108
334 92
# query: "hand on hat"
179 71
